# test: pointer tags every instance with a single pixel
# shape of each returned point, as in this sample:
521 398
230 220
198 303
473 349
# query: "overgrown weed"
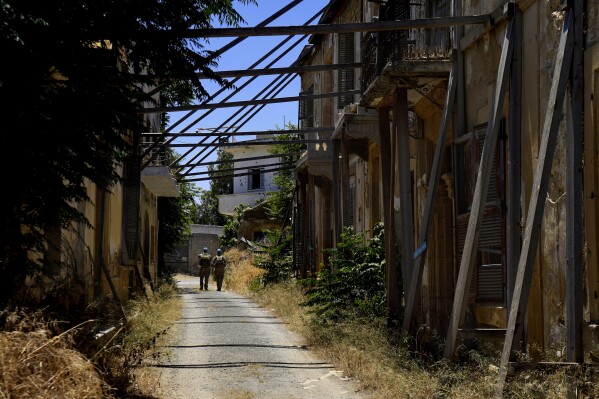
42 357
38 362
242 275
137 342
362 348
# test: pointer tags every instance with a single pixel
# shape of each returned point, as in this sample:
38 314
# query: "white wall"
240 183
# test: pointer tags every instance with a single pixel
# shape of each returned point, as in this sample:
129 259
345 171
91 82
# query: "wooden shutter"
401 11
131 192
488 284
346 52
352 205
306 108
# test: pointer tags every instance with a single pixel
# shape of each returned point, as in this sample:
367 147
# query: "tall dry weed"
241 275
36 365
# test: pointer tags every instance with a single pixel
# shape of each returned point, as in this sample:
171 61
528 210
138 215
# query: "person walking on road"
204 263
219 263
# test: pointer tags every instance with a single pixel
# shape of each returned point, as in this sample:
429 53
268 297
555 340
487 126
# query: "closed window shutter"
401 11
306 108
352 205
488 281
346 54
131 190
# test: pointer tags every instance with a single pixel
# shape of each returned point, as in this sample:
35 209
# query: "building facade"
409 150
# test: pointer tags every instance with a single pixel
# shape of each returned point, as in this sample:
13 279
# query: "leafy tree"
208 208
277 261
223 185
175 214
278 258
229 237
280 200
72 83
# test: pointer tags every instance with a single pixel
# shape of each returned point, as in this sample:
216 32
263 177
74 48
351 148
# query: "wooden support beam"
241 120
536 206
387 166
347 210
262 165
321 29
277 82
247 102
115 295
247 143
459 75
336 189
225 175
238 40
236 90
303 222
216 134
402 148
574 190
514 177
288 154
500 14
429 205
312 223
299 69
469 254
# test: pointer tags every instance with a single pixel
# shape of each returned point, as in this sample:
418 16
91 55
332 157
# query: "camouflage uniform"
204 265
219 263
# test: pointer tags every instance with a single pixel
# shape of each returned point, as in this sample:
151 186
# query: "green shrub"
352 284
277 260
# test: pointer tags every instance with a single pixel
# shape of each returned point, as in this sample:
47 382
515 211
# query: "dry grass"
37 360
237 394
149 330
241 274
361 349
35 365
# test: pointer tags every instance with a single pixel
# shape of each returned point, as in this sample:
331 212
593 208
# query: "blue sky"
243 56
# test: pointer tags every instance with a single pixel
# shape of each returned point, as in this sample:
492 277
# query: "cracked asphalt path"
227 347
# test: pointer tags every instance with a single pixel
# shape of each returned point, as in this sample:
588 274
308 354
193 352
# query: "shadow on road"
302 347
244 364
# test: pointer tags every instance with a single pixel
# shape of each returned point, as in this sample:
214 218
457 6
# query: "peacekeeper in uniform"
219 263
204 260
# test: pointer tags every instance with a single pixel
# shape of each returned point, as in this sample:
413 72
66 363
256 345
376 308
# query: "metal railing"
157 154
392 48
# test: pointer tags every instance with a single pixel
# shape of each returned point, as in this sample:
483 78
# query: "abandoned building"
465 139
252 182
470 130
118 251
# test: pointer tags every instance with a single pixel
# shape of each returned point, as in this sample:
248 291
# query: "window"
346 52
488 281
255 179
306 108
352 205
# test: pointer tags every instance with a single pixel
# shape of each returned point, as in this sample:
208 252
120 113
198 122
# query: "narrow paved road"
227 347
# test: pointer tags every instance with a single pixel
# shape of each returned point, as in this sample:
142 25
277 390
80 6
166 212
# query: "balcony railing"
393 48
157 155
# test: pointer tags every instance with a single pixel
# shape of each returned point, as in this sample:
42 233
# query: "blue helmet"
205 249
219 251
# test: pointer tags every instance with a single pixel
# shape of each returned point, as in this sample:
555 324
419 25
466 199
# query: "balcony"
409 57
157 176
